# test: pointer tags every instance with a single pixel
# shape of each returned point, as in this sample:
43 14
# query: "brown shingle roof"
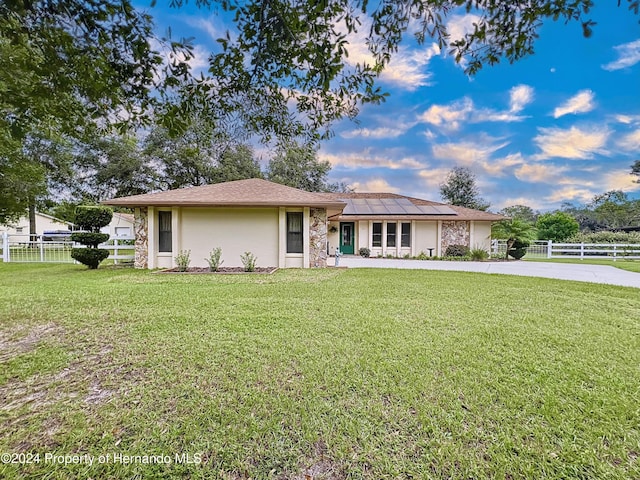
252 192
462 213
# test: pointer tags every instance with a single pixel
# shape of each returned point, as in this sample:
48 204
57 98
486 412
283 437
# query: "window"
164 231
405 235
376 240
294 232
391 234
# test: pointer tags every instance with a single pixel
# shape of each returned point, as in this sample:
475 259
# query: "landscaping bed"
267 270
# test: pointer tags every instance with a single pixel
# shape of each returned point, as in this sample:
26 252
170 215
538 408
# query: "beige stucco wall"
426 236
333 238
362 236
481 235
235 230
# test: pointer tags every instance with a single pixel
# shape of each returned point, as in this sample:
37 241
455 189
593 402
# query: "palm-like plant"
513 230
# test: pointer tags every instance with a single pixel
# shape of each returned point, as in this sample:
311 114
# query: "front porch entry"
347 239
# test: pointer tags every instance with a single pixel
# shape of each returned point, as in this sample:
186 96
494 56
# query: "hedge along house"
396 225
280 225
287 227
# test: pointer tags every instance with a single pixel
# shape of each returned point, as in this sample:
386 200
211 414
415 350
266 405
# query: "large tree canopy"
460 189
296 52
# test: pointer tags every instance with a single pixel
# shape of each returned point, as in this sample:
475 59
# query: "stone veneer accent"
141 231
317 237
455 233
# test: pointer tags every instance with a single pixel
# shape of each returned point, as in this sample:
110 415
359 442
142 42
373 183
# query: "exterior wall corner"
141 232
317 237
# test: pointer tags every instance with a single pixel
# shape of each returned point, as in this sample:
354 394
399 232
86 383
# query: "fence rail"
20 248
550 249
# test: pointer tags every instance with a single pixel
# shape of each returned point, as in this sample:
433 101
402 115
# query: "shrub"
422 256
91 219
248 261
214 259
518 249
605 237
556 226
90 238
364 252
479 254
183 260
91 257
456 251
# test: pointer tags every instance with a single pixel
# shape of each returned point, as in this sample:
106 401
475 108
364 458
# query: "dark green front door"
346 237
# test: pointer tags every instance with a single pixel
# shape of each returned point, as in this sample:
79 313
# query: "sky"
560 126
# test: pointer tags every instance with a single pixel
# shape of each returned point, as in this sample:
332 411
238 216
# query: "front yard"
316 374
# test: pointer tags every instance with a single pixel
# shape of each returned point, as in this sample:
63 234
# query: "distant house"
287 227
121 225
44 223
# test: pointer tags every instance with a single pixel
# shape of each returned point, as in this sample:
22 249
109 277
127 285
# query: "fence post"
614 252
115 251
582 251
5 247
41 248
549 248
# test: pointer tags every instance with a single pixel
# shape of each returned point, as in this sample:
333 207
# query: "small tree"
460 189
91 219
513 231
556 226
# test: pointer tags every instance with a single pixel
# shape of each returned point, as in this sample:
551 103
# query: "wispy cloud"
433 177
449 116
582 102
369 158
573 143
582 195
630 142
393 131
374 185
468 153
538 173
501 166
628 55
207 25
519 97
621 180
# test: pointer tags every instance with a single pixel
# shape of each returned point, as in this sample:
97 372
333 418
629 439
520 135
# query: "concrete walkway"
561 271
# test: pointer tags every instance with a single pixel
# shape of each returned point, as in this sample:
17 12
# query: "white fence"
20 248
549 249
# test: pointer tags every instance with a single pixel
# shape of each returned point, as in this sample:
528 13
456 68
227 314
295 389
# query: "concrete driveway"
561 271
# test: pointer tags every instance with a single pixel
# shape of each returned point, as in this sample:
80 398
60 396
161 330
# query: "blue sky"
561 125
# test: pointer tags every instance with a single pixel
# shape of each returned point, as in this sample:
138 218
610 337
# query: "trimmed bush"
89 238
605 237
457 251
91 257
518 249
91 218
364 252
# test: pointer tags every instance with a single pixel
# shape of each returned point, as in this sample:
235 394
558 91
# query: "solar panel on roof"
392 206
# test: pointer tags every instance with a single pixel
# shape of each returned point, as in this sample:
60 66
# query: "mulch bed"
221 270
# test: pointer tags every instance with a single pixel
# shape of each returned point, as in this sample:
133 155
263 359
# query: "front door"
346 237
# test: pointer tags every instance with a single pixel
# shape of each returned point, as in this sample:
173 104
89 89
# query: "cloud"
519 97
570 193
368 159
574 143
627 119
538 173
407 68
448 116
631 141
628 55
433 177
498 167
380 132
582 102
620 180
374 185
467 153
207 25
534 203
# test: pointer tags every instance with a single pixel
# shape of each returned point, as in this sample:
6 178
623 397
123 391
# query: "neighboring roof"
57 220
442 211
253 192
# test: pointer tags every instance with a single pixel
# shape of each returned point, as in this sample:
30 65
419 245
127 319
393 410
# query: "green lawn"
630 265
328 373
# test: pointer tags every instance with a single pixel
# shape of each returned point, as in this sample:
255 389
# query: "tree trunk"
510 243
33 234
